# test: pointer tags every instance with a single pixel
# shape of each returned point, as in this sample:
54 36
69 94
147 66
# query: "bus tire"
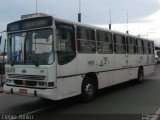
89 89
140 75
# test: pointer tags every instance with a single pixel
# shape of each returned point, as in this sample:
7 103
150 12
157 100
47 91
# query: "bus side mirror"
0 39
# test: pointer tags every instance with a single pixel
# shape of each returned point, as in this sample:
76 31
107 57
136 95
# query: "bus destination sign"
30 24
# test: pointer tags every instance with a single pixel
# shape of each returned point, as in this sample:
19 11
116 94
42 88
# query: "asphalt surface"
127 101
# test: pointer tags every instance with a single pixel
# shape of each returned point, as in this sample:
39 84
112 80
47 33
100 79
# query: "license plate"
23 91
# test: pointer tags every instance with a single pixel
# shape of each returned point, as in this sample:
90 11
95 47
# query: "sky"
143 15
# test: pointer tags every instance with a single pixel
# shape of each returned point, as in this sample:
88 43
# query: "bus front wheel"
89 89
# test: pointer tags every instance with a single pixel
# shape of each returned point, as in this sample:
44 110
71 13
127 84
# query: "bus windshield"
31 48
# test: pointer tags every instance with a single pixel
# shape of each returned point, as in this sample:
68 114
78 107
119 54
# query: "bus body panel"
132 60
68 69
21 77
86 63
69 87
121 61
43 93
133 66
52 74
104 62
121 76
105 79
133 73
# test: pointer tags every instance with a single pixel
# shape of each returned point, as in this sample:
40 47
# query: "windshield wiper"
31 62
35 63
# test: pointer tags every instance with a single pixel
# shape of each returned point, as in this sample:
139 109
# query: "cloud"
143 14
95 11
99 10
148 29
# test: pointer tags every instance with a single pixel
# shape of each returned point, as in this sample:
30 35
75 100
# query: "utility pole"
79 14
0 39
110 20
36 6
127 24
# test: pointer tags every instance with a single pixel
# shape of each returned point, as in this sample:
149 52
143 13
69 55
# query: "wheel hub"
89 89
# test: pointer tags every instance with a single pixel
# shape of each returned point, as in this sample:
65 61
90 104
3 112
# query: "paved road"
125 99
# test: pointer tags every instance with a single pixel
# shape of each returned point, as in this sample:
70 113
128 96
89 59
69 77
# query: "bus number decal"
91 63
103 62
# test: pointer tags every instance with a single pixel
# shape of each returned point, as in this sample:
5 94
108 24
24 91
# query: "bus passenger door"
66 59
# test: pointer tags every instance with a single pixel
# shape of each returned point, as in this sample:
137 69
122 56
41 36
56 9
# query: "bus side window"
146 47
104 42
140 46
119 44
151 47
86 40
66 43
131 45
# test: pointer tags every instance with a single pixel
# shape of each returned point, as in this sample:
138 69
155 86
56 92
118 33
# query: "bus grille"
31 83
18 82
28 83
26 77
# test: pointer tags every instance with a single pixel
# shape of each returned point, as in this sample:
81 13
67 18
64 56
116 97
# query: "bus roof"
36 15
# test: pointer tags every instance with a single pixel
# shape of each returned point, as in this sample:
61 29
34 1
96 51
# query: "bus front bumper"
33 92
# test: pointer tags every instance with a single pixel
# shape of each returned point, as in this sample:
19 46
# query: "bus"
54 58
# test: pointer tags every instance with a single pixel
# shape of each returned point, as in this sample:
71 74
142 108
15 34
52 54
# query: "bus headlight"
51 84
8 81
43 84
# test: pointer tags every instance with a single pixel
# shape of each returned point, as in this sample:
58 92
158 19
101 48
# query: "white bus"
53 58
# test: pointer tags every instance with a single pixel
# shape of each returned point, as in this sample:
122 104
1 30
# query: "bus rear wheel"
89 89
140 75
